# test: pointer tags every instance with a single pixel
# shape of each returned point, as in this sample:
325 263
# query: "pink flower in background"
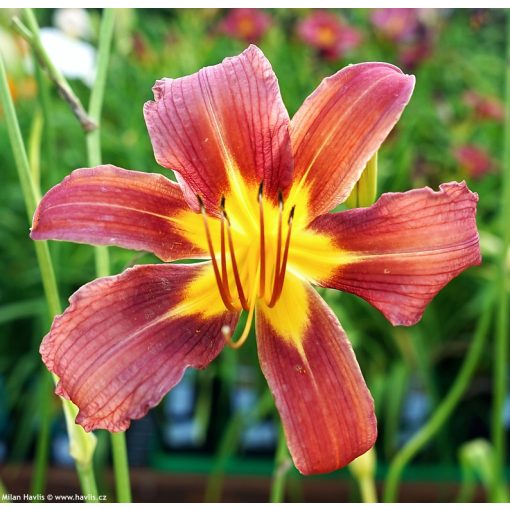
474 160
329 34
412 55
246 24
485 107
398 25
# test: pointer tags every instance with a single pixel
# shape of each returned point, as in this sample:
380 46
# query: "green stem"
228 445
3 491
31 34
34 147
102 259
502 325
97 92
50 160
101 254
43 437
121 467
282 466
368 490
88 482
444 410
80 441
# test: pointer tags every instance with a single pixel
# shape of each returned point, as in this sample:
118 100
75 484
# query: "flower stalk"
30 32
364 194
281 468
445 409
363 470
101 254
82 444
502 324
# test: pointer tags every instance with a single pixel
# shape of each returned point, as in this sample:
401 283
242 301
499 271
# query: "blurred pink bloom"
413 54
474 160
246 24
329 34
485 107
398 25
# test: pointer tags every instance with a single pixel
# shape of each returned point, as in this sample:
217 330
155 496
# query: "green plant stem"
445 408
229 443
88 482
43 437
31 34
101 254
282 466
3 490
50 160
93 138
121 467
81 443
502 323
368 490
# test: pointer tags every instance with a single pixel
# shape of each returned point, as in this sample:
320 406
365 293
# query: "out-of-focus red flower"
412 55
246 24
328 33
487 108
474 160
398 25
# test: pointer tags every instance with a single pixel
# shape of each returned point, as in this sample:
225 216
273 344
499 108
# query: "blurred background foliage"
451 130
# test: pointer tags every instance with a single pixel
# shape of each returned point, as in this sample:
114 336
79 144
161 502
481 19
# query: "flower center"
227 266
243 300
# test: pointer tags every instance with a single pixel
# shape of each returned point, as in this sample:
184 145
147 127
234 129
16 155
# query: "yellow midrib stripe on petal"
290 317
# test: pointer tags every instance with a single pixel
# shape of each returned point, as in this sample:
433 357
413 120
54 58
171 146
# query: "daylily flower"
246 24
328 33
253 194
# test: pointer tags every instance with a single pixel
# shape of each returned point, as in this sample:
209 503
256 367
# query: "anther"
224 293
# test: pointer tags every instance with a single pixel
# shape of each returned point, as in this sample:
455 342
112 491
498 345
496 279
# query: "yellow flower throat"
275 269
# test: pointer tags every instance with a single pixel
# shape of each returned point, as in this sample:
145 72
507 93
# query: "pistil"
227 332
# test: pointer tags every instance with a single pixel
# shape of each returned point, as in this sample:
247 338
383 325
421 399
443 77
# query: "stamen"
227 332
278 249
262 243
237 278
219 281
224 274
277 290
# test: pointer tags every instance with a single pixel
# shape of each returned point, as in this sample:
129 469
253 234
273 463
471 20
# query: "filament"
278 285
235 268
278 249
224 293
224 273
262 242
